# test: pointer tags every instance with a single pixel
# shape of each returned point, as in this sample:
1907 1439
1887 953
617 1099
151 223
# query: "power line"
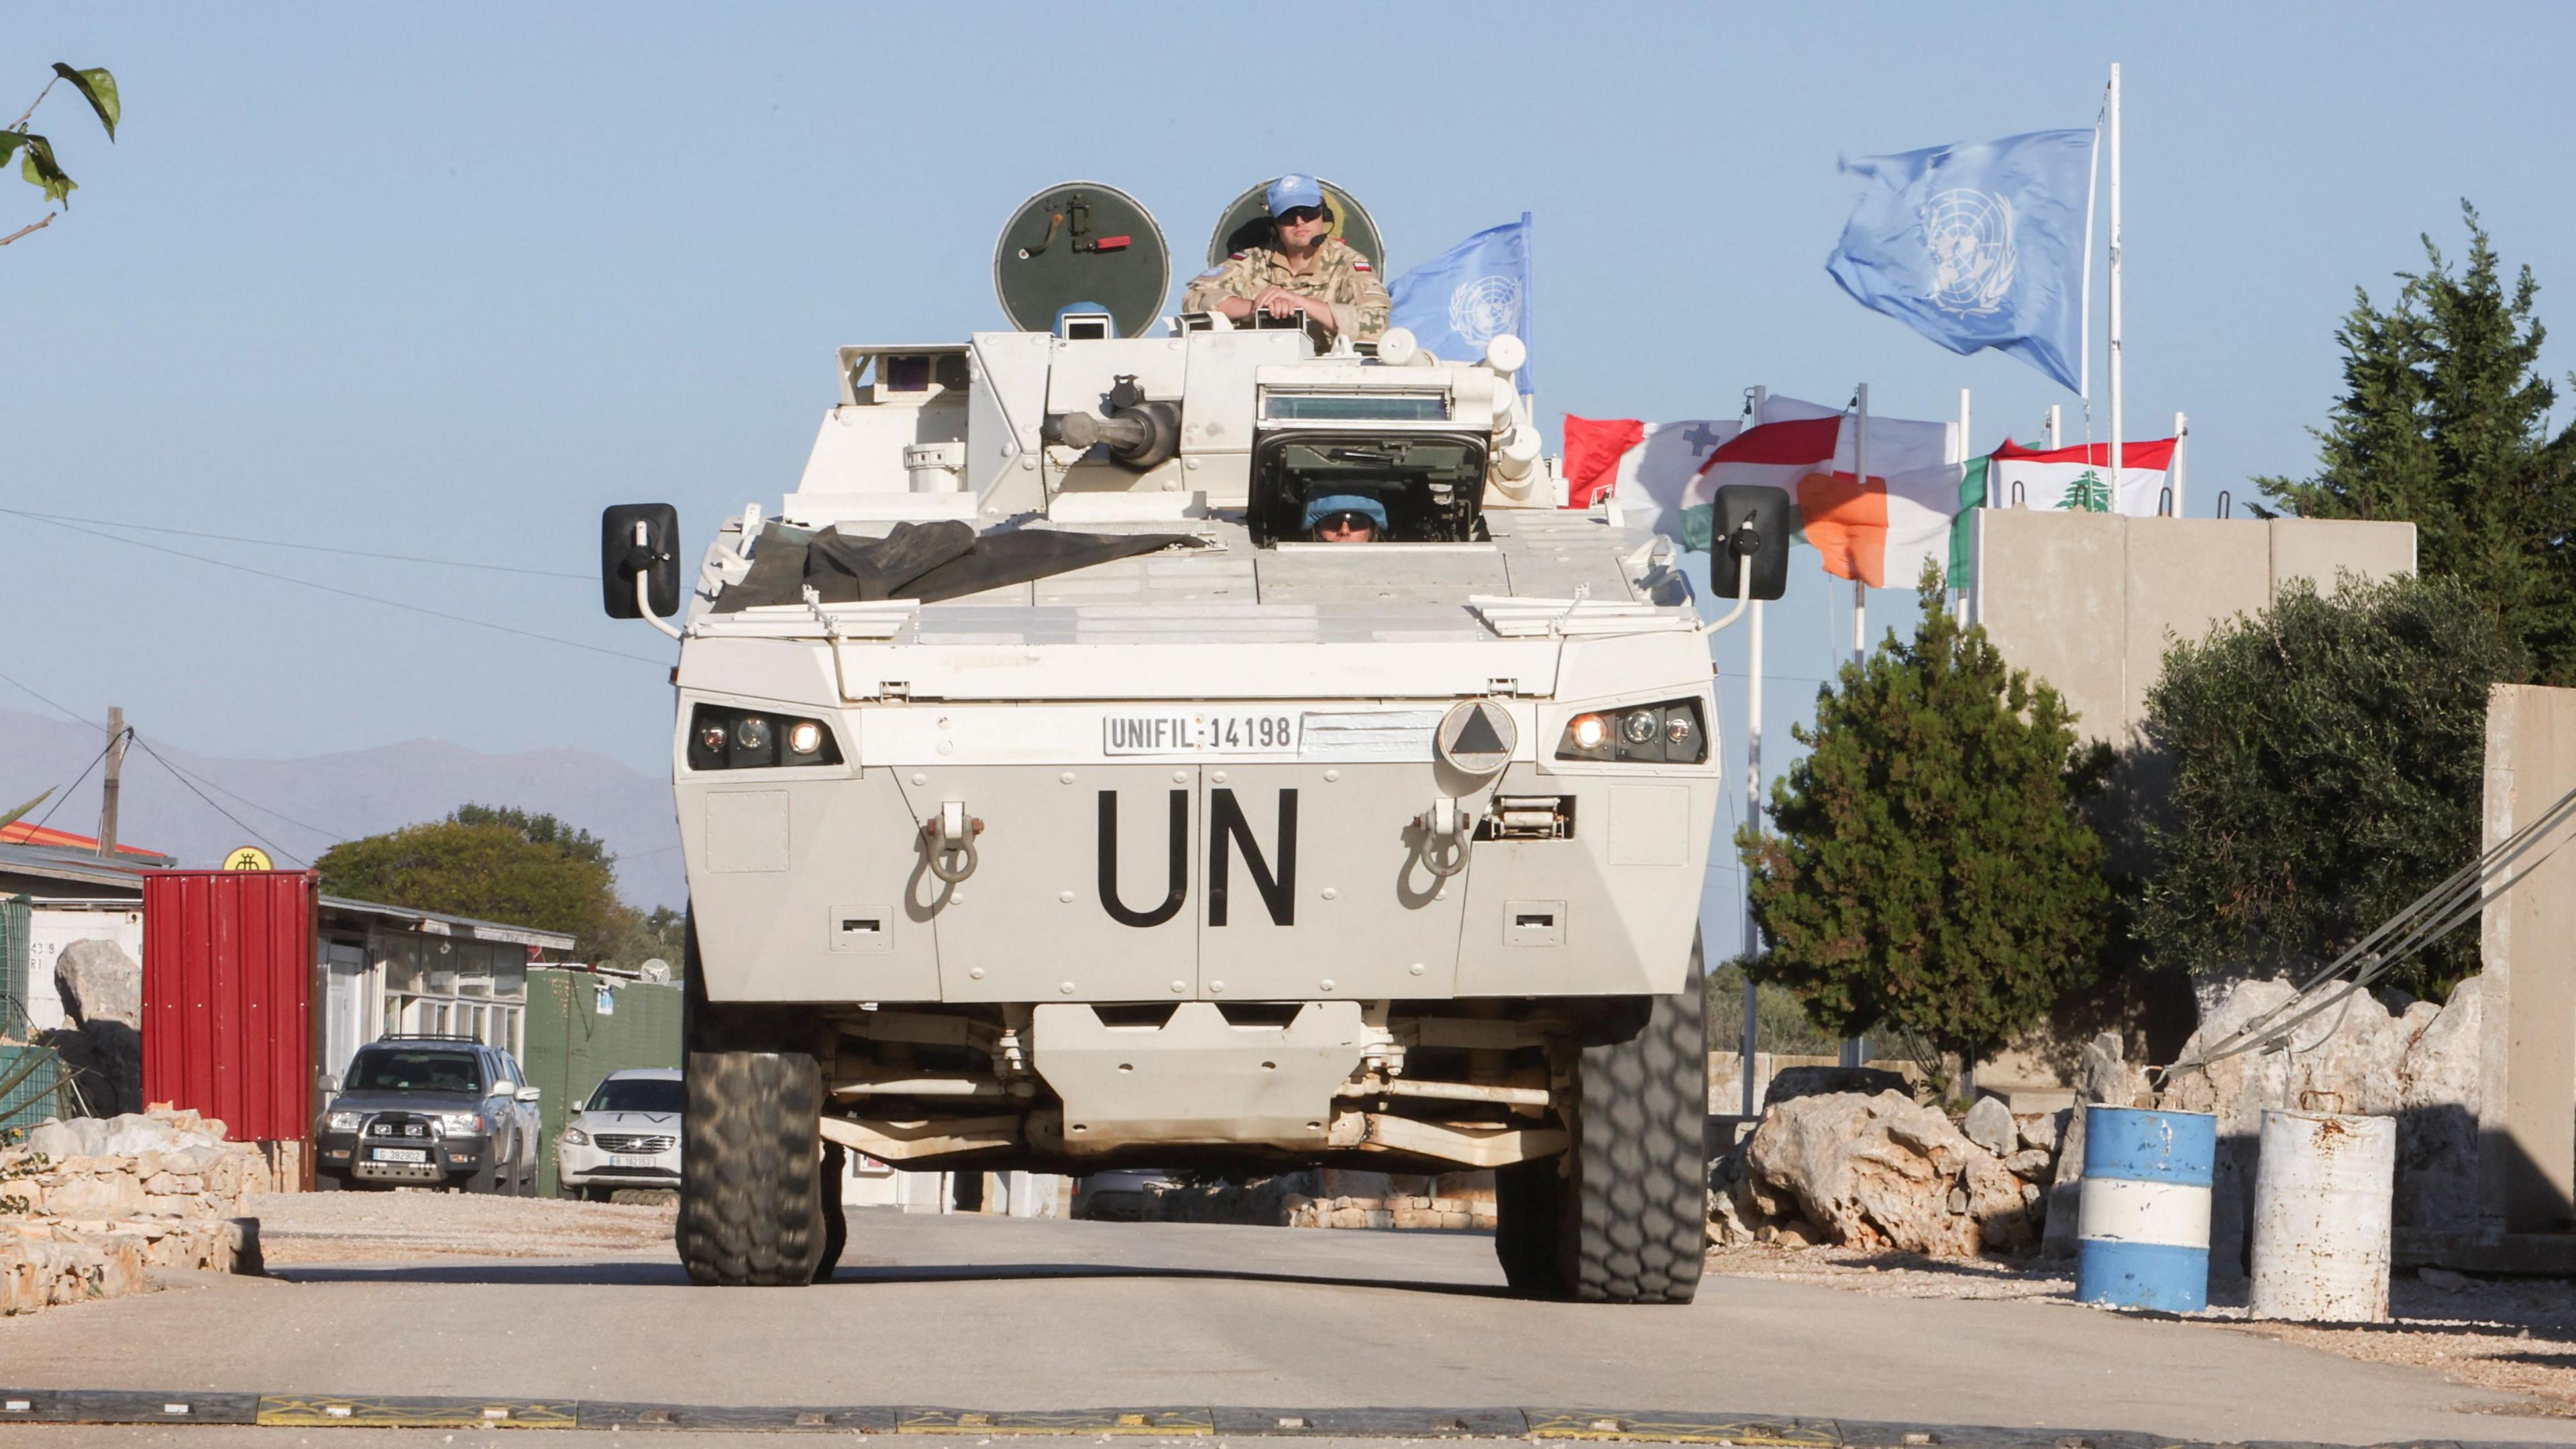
58 709
307 547
76 783
218 809
343 593
331 835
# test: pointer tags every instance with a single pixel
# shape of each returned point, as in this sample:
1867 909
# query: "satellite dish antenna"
1082 242
1246 223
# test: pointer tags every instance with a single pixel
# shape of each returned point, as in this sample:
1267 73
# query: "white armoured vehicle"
1049 803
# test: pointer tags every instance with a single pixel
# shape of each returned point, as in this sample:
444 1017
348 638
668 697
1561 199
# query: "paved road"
996 1313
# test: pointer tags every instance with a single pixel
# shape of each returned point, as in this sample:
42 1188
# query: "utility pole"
108 786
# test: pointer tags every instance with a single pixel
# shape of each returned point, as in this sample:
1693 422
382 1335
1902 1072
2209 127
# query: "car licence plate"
630 1159
401 1154
1257 732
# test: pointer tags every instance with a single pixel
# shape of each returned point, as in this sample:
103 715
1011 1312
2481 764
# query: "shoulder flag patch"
1211 272
1361 267
1238 256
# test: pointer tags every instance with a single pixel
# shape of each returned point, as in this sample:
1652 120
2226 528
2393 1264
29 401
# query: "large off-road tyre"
836 1222
1635 1207
751 1191
1529 1200
751 1146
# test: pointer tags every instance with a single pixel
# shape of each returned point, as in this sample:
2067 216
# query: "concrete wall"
2089 601
2527 1064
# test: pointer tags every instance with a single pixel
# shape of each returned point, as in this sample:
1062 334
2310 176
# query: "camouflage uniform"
1341 279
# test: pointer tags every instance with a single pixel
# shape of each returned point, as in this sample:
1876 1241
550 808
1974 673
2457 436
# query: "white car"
626 1136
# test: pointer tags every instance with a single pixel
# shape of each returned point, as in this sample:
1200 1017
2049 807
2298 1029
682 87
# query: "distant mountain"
303 806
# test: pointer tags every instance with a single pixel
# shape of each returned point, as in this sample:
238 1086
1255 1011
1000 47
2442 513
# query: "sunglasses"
1344 522
1300 215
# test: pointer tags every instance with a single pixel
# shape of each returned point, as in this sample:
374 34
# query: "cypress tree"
1931 871
2444 422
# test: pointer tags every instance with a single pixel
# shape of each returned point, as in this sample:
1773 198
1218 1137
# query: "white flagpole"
2115 277
1751 1040
2054 427
1958 594
1860 479
1853 1047
2181 435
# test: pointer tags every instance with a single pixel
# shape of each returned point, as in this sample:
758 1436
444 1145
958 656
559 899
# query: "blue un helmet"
1359 504
1292 191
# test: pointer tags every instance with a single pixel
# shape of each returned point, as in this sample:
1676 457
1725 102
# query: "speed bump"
1683 1428
1067 1421
327 1411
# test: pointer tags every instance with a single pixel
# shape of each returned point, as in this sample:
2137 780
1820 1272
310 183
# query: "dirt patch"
2507 1335
351 1227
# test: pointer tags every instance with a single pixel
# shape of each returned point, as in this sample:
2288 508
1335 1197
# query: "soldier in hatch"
1345 518
1303 266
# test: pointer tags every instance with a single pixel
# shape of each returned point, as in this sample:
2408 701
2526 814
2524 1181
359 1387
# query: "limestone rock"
2346 1059
1989 1124
94 1195
1790 1083
100 983
1871 1172
2044 1130
2437 1114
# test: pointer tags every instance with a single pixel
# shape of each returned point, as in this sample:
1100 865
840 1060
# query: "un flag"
1470 294
1978 246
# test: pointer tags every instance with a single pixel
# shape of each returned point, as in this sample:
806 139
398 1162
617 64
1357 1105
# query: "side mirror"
330 1084
529 1094
639 540
1751 531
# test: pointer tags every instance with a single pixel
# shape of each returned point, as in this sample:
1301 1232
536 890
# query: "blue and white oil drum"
2142 1233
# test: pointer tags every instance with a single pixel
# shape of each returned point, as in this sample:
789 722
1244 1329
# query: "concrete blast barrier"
2321 1217
2142 1235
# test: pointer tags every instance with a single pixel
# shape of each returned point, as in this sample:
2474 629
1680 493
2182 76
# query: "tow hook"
950 839
1446 830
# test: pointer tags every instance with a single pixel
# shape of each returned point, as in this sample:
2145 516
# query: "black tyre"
1636 1199
751 1191
325 1180
1529 1199
836 1221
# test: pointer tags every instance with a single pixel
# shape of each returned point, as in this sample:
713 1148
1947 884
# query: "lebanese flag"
1643 467
2080 477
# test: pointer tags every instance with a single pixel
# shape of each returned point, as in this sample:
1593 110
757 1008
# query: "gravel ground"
350 1227
2511 1335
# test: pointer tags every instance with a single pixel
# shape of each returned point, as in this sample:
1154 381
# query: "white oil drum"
2321 1217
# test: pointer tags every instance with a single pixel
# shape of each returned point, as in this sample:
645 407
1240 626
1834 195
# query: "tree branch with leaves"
35 153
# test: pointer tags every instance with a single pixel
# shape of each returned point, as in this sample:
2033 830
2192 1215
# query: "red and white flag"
2080 478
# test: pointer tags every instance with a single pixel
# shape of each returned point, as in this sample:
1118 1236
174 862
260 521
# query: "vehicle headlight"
458 1123
574 1137
1668 733
345 1121
725 738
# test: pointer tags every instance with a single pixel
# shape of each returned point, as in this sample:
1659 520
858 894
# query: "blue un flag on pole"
1979 246
1467 296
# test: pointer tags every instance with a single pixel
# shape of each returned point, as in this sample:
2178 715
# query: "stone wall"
86 1206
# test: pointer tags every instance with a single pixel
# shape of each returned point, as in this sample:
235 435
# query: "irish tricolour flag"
2081 478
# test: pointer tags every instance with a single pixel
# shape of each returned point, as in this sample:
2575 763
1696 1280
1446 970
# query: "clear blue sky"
444 280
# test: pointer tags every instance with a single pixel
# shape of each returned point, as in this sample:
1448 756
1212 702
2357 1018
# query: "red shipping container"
228 1020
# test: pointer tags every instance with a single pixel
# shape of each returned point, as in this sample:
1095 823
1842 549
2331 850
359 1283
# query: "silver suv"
430 1111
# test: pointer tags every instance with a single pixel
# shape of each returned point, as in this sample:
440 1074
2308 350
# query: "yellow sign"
248 857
